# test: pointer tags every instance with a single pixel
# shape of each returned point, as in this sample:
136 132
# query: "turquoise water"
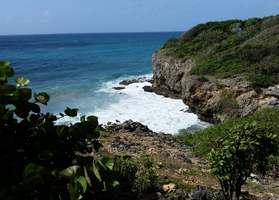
79 70
72 67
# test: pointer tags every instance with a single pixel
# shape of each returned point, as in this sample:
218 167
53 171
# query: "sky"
95 16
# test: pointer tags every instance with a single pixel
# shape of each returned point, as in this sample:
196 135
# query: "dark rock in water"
118 88
138 80
148 89
128 82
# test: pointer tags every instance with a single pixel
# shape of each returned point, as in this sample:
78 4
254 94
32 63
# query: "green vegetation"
245 149
237 148
203 141
41 159
137 175
231 48
227 103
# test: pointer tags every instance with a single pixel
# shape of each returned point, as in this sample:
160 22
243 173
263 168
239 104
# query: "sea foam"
159 113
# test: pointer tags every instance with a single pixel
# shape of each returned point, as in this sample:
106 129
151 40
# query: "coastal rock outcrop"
222 69
213 99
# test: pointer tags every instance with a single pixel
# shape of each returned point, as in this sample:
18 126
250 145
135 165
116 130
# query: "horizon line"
76 33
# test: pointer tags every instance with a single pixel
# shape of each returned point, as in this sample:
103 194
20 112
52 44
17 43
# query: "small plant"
245 149
227 102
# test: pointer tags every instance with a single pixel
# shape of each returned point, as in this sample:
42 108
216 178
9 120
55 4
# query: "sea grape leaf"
70 171
82 118
22 94
115 183
42 98
71 112
22 81
108 162
7 89
82 181
96 172
5 70
32 169
92 122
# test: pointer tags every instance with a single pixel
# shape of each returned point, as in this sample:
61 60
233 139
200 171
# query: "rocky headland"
213 99
221 69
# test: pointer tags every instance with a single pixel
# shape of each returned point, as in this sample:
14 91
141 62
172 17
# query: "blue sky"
89 16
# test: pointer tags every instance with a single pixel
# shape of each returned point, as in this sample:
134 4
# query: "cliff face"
212 99
222 69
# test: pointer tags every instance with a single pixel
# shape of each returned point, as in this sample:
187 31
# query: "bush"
227 102
137 175
203 141
41 159
245 149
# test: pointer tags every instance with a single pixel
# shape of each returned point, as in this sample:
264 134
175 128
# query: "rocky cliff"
212 99
217 79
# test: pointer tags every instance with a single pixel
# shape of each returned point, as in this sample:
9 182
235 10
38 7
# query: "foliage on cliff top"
231 48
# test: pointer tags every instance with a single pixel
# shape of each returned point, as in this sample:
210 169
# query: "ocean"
79 71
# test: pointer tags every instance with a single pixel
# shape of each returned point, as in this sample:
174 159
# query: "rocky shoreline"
212 99
174 161
171 157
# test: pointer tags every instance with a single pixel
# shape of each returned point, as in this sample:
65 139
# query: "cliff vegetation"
233 48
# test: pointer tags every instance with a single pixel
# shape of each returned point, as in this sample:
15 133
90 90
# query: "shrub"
41 159
137 175
245 149
203 141
227 102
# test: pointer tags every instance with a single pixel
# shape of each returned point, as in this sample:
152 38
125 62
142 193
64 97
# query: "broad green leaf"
42 98
115 183
82 118
7 90
22 110
92 122
96 172
71 112
108 162
82 181
22 81
5 70
70 171
22 94
32 169
34 107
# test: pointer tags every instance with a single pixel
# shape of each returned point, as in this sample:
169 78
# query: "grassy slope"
231 48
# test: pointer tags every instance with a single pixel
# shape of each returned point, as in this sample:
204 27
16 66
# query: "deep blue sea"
78 70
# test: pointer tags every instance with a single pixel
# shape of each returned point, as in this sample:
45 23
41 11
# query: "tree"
245 149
